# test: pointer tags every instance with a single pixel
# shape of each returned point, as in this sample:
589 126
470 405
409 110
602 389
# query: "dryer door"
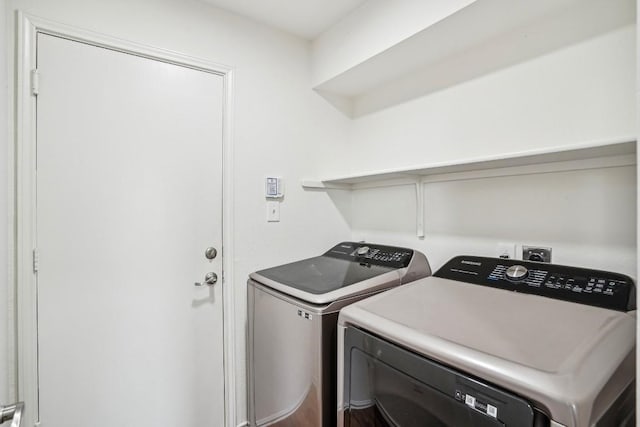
388 386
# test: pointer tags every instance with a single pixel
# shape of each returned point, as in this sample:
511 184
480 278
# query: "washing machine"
293 312
492 342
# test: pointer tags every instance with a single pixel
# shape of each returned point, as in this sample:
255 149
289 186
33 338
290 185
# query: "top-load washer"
492 342
293 312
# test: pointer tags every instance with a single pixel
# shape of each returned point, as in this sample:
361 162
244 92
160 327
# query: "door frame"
22 202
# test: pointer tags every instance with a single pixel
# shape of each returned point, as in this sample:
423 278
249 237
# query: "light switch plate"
273 211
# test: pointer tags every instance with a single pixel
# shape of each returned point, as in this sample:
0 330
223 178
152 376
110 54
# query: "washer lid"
557 353
348 269
323 280
322 274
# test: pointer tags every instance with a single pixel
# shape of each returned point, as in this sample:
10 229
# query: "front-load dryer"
293 314
491 342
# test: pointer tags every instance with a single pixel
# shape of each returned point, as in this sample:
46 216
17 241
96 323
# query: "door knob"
210 252
210 279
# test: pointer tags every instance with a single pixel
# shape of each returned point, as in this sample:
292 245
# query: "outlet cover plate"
536 253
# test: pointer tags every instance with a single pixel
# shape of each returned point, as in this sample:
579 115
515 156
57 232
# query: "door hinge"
36 260
35 82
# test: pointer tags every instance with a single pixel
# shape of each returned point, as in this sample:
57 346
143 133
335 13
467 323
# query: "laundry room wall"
373 27
581 93
280 128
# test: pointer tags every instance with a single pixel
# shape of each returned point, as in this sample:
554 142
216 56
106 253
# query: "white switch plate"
273 211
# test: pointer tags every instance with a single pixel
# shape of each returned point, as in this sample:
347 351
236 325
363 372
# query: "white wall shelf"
594 155
485 36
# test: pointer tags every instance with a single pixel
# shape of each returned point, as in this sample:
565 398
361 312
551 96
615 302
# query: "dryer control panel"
580 285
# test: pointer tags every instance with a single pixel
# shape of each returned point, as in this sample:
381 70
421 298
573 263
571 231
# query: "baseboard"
244 424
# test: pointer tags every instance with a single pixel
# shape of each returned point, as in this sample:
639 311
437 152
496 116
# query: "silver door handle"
12 413
209 279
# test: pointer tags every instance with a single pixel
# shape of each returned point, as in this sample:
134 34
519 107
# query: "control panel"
369 253
585 286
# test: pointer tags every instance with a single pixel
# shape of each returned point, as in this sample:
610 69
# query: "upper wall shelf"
618 152
483 37
613 153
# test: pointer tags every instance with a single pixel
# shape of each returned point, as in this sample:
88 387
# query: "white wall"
580 93
372 28
584 92
280 127
570 212
4 103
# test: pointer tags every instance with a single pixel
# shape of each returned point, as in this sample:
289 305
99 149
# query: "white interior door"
129 196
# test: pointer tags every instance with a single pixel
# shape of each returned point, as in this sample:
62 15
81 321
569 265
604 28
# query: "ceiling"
305 18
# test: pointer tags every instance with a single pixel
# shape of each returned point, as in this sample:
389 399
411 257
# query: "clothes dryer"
492 342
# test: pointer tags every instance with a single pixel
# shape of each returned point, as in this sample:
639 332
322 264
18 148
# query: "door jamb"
22 196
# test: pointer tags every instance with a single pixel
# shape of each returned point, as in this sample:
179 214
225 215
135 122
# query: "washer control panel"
580 285
368 253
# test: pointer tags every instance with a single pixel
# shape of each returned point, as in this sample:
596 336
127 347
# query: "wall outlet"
506 250
536 253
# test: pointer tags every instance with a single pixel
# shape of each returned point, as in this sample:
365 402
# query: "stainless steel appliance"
293 313
492 342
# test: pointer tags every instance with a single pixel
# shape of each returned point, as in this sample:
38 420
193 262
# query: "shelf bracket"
420 207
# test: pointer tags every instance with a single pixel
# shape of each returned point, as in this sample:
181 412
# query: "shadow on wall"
341 199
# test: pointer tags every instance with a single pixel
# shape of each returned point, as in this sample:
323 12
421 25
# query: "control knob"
516 272
362 250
